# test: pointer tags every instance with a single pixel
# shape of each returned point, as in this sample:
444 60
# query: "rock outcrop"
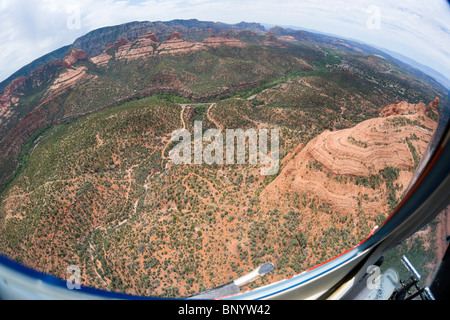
272 41
8 97
148 45
68 79
332 165
174 36
287 38
73 56
223 41
175 45
404 108
119 43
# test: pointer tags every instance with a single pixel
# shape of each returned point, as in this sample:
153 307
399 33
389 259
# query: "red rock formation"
149 44
176 45
174 36
433 106
325 166
68 79
403 108
151 36
219 41
36 75
272 41
139 48
270 36
73 56
397 108
119 43
287 38
8 95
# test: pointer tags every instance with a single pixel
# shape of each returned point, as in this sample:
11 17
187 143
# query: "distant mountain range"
399 58
427 70
94 42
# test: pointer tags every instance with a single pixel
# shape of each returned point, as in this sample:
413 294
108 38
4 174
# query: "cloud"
418 29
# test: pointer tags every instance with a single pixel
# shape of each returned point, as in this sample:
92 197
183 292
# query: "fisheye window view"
224 150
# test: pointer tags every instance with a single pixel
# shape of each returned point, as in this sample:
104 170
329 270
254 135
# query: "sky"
417 29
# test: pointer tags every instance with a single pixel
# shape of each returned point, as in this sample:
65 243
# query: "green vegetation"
24 155
414 153
390 175
173 98
357 142
373 181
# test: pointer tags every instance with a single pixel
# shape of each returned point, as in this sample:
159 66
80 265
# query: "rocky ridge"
344 168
